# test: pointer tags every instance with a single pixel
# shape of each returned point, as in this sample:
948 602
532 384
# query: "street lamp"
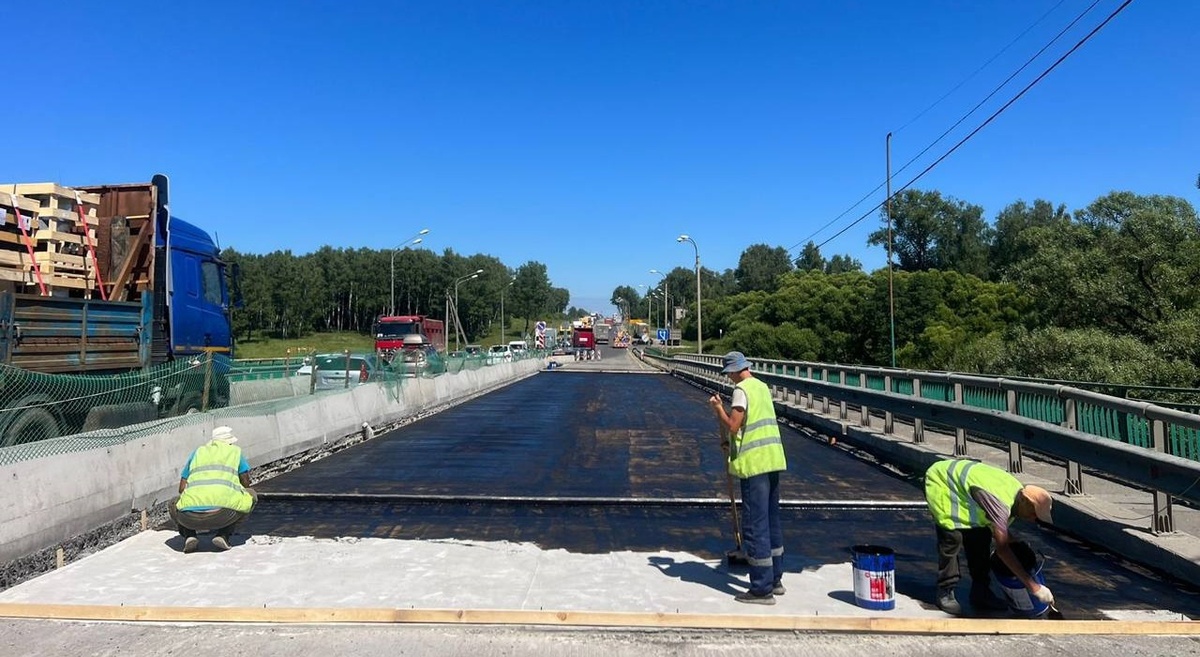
415 239
699 324
457 321
666 303
502 291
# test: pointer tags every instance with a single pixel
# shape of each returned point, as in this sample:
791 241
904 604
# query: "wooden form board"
28 206
52 191
857 624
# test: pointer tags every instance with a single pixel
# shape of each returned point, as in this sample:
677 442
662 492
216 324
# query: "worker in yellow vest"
755 456
972 504
214 492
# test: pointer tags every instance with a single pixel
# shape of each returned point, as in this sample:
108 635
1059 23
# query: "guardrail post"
1074 483
842 405
918 423
810 395
825 399
960 434
1164 521
888 418
1016 464
208 372
864 411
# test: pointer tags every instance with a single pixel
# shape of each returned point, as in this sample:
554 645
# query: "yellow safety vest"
757 447
213 479
948 492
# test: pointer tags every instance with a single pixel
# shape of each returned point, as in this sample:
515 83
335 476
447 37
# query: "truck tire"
31 425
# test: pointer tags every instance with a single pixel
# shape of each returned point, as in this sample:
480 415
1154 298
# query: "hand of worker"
1043 594
714 402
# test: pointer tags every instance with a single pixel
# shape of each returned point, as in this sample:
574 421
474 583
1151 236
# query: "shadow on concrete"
698 572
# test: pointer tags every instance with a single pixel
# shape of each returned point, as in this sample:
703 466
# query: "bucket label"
874 585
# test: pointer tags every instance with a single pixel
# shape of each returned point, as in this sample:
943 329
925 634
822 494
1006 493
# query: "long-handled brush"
736 556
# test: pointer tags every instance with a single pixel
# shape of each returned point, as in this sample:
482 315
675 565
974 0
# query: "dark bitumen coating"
602 435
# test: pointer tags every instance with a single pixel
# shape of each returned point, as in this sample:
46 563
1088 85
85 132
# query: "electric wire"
957 123
986 122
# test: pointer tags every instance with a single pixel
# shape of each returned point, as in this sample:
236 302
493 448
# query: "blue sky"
589 135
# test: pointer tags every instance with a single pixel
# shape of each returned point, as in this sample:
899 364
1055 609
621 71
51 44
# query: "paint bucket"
1020 601
874 577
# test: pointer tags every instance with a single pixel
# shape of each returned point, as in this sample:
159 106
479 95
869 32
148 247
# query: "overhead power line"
991 118
961 119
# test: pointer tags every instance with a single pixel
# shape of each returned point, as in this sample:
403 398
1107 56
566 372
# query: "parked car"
421 360
332 370
473 350
499 353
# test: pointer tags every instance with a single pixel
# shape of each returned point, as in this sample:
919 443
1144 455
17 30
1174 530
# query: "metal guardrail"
1149 446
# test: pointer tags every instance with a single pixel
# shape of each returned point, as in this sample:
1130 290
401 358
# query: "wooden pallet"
51 196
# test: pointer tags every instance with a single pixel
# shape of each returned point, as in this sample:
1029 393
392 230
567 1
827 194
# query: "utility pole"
891 286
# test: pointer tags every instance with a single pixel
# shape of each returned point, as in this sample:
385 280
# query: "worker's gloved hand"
1043 594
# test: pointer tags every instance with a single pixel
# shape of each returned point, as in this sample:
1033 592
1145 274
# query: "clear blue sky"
588 135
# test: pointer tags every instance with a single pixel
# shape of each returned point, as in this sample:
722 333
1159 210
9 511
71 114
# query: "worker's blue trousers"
762 537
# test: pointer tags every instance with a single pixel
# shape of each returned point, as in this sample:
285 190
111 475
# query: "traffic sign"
540 327
662 334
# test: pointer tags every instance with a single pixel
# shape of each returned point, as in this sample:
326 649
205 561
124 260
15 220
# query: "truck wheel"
189 405
32 425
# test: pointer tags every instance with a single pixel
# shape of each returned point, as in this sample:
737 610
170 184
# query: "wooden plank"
28 206
117 289
862 624
51 189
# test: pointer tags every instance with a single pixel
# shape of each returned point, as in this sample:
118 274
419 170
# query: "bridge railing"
1149 446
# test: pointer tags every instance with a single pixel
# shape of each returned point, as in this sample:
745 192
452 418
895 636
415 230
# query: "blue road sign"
662 334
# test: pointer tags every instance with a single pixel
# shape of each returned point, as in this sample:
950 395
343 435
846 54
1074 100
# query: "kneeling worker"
972 504
214 491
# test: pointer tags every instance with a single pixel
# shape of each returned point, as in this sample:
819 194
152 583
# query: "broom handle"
737 523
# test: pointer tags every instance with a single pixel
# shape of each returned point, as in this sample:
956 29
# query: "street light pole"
415 239
699 316
891 288
666 302
457 320
502 323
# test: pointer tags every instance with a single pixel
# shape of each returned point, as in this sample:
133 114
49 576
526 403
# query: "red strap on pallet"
91 249
37 271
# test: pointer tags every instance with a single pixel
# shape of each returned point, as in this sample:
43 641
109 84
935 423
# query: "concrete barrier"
46 501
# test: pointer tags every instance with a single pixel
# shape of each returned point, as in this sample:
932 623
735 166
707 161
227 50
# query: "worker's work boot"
220 543
190 544
947 602
750 598
778 589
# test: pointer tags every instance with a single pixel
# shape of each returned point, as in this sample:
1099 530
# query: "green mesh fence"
46 414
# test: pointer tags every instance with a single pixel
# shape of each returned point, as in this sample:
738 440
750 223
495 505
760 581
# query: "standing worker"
972 504
755 456
214 492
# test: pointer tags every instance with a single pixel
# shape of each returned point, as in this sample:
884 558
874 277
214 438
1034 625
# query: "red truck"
393 333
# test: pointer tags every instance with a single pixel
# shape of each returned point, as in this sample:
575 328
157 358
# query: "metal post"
208 366
960 434
346 383
864 413
1163 522
918 423
891 289
1074 483
1015 462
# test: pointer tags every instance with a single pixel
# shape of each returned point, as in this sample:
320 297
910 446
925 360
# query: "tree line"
1107 293
286 295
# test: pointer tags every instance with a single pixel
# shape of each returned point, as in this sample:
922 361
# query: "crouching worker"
972 504
214 492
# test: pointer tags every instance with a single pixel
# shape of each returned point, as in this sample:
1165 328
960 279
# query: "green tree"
810 258
531 293
842 264
760 265
932 232
1010 243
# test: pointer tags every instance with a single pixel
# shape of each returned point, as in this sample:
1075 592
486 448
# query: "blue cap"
734 361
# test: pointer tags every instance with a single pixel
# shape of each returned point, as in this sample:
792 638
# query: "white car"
499 353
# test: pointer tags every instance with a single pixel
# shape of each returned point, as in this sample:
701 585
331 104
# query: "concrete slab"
272 572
